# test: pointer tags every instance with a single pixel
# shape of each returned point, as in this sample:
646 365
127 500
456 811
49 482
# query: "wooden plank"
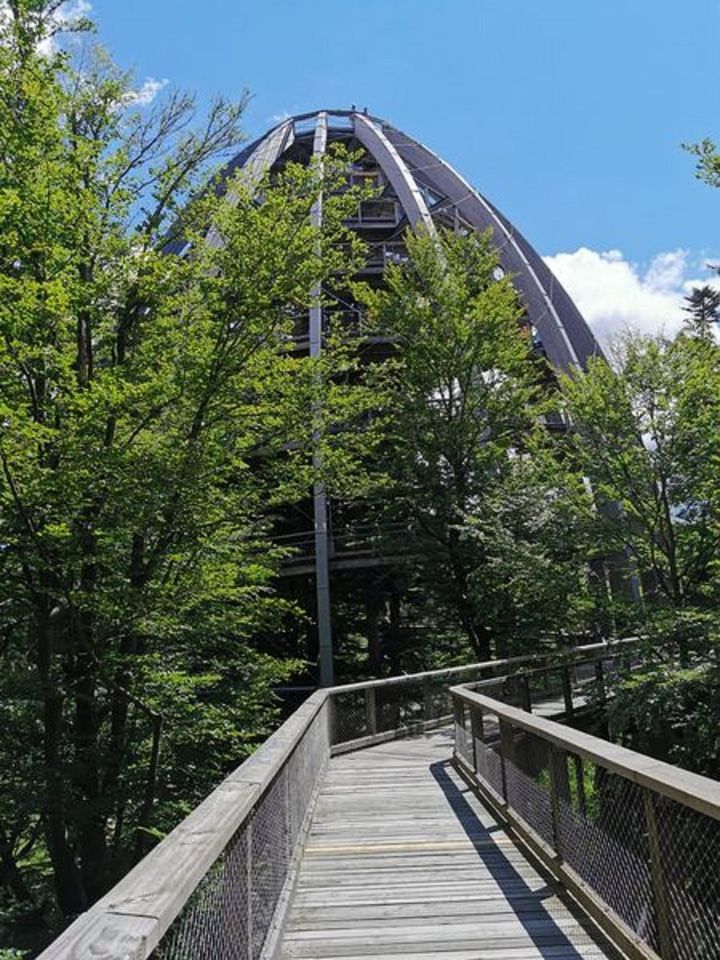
402 860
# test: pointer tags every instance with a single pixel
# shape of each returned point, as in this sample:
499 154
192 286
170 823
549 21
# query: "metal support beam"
320 506
395 169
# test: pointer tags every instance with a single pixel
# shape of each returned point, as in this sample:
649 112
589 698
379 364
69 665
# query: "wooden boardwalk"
403 861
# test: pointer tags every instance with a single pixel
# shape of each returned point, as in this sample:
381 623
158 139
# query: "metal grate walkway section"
402 860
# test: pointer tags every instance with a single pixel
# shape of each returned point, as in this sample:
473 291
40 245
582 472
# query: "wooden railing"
636 840
217 887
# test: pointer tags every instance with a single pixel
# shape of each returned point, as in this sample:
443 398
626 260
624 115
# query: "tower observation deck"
414 187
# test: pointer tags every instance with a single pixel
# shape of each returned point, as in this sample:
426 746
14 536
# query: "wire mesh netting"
654 861
527 780
689 852
488 762
463 735
350 716
602 836
401 706
231 912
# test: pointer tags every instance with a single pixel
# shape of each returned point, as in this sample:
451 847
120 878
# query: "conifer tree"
702 307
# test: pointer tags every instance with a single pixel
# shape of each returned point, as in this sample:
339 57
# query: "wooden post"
478 732
525 693
559 789
331 720
459 726
657 877
567 693
427 699
371 710
458 712
507 752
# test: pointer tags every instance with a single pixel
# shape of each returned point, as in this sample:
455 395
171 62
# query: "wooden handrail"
132 918
558 656
695 791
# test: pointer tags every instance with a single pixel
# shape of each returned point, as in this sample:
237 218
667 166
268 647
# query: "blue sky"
568 114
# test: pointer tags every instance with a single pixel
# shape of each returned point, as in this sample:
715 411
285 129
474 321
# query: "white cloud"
614 293
146 93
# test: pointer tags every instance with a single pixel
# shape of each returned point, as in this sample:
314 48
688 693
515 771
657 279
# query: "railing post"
657 877
459 724
525 692
331 720
507 752
371 710
567 692
458 712
559 788
478 732
427 699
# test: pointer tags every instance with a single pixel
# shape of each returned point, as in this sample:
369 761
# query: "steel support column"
320 505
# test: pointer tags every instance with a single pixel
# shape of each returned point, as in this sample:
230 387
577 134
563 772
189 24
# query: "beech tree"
151 415
463 401
647 436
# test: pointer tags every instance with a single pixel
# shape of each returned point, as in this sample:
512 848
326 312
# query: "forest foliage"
155 421
152 418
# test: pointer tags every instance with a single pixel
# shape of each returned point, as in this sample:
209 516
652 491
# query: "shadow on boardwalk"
527 904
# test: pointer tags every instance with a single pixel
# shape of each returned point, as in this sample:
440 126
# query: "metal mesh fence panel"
303 768
350 720
463 735
269 858
402 706
545 685
527 779
689 861
436 698
397 706
602 836
488 763
214 922
231 912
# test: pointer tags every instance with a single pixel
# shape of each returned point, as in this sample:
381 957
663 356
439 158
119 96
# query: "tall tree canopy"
151 416
648 438
463 442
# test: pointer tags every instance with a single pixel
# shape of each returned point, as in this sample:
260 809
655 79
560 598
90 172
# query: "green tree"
541 576
648 438
463 401
707 167
670 709
151 418
702 307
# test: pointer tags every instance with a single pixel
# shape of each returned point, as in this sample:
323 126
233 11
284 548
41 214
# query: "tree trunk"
10 874
68 885
478 636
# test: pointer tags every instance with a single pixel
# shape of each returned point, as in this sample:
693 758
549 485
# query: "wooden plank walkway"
403 861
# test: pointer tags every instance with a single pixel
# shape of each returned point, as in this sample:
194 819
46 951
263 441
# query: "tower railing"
217 887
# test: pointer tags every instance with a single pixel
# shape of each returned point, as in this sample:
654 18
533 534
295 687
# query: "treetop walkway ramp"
442 814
